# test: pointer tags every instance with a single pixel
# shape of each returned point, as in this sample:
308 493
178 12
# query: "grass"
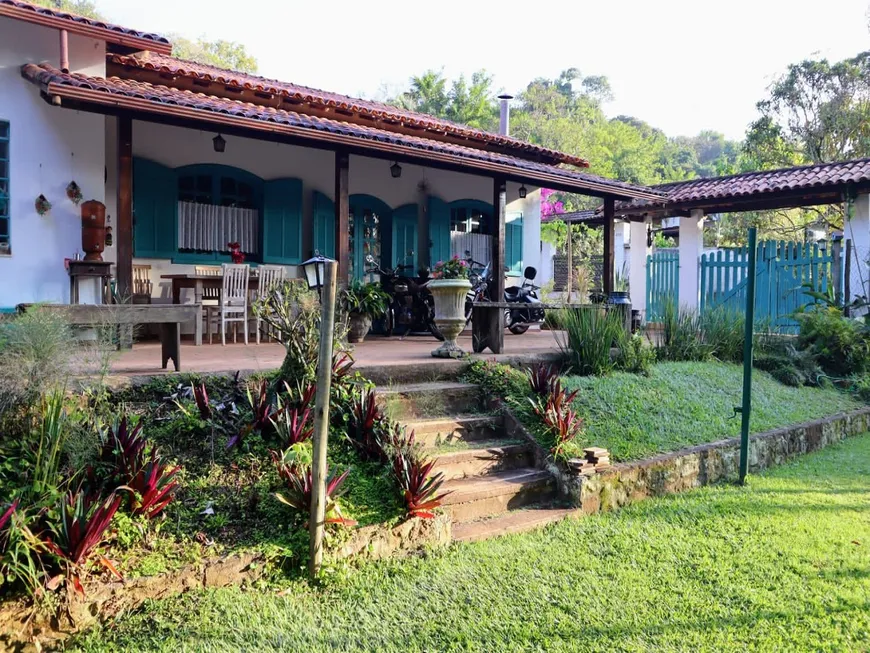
684 404
780 564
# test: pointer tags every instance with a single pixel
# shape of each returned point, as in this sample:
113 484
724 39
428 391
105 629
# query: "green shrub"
787 364
682 337
498 380
840 345
587 338
723 331
636 355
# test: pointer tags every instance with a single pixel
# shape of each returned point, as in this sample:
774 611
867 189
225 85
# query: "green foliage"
452 268
724 332
840 345
466 103
636 355
222 54
684 404
36 349
777 565
497 380
85 8
682 338
587 338
365 299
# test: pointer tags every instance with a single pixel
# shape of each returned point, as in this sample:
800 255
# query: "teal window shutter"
324 225
405 238
282 221
155 208
513 245
439 230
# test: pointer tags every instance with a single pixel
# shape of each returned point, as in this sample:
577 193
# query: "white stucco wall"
66 144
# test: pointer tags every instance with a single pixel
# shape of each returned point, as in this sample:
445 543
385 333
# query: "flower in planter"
74 192
42 205
236 253
454 268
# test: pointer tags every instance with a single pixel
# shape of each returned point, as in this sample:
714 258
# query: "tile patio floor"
144 358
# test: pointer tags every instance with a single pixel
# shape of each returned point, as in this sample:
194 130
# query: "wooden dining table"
199 282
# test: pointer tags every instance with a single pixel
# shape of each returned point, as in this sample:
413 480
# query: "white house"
185 156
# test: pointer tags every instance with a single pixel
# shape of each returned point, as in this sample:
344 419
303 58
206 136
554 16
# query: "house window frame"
6 197
217 173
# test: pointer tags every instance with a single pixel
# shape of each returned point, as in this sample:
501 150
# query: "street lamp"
314 271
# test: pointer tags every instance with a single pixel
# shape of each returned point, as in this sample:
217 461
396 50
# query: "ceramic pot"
93 230
358 327
449 296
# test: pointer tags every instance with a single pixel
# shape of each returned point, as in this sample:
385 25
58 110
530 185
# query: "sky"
680 66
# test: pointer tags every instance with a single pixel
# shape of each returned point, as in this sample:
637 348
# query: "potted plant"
449 286
363 302
620 288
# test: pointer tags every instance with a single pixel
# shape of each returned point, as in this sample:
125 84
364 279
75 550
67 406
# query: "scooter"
518 320
412 307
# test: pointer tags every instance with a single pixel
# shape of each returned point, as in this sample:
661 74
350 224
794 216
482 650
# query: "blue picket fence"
782 271
662 282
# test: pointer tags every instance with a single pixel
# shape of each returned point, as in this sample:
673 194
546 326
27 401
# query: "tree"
220 53
816 113
471 104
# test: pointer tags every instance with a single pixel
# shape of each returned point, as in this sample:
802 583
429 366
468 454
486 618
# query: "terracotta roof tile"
81 25
761 184
367 108
111 91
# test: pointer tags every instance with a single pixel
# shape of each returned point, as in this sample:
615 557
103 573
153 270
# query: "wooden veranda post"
496 316
570 254
124 232
321 418
342 219
608 269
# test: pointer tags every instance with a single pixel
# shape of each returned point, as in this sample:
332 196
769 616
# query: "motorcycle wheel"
433 329
518 329
389 322
468 311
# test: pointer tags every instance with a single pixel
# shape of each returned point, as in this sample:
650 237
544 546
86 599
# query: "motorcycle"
517 320
479 291
412 307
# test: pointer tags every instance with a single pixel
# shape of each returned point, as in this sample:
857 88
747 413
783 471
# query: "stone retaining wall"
708 463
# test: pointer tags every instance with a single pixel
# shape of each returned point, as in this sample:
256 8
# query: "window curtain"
209 227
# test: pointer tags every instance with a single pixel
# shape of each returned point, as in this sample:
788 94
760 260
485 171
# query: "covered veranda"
157 90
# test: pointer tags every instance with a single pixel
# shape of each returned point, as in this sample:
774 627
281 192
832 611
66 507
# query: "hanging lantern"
74 193
220 143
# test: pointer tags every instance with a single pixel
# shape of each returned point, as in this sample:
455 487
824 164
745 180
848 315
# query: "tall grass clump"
587 336
682 336
724 331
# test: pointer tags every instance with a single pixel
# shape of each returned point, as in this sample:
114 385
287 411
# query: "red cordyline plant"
82 521
6 516
413 473
542 377
341 364
153 487
293 425
124 449
299 484
364 429
560 420
200 396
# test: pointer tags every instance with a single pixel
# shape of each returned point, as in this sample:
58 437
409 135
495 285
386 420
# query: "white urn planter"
449 296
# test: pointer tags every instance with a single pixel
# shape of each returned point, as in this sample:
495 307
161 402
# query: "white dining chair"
234 298
210 298
270 276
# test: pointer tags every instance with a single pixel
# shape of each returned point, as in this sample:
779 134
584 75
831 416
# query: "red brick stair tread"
516 521
488 453
473 488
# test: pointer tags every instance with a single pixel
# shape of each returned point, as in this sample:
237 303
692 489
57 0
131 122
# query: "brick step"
496 457
515 521
455 429
423 400
483 496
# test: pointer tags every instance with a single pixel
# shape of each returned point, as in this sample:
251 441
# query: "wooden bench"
487 321
168 316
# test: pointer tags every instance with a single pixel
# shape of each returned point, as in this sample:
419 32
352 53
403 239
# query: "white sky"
682 66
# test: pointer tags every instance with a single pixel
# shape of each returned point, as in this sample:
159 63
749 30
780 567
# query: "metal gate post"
746 408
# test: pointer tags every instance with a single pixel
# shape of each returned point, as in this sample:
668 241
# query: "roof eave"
111 103
83 29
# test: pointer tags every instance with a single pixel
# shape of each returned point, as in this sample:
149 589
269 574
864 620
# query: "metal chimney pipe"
64 51
504 121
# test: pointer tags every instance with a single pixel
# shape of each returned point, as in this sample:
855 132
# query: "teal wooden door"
369 219
324 225
404 240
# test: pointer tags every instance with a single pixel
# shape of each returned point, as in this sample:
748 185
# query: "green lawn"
782 564
683 404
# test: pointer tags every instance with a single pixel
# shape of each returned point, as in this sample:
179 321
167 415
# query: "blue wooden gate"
662 282
783 268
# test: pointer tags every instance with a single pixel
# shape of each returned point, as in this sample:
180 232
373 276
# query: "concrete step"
483 496
455 429
495 457
421 400
515 521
